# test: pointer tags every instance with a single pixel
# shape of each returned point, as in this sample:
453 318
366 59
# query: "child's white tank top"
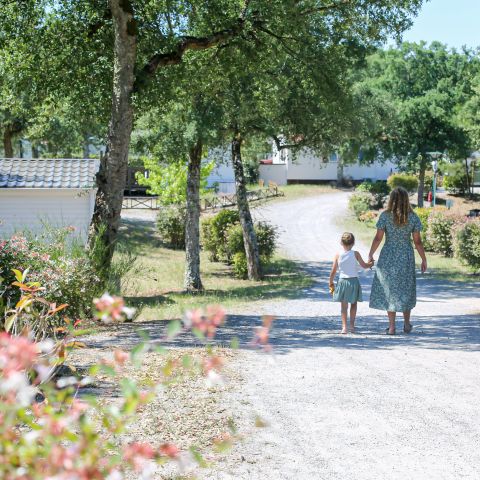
347 264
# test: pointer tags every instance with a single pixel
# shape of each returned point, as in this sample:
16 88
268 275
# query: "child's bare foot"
352 330
344 331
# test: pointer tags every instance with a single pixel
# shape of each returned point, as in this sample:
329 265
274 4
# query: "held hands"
371 262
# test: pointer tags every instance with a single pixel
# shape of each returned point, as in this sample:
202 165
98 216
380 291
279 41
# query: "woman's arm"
334 271
417 240
377 240
362 263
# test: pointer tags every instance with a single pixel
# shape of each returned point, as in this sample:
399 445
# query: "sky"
454 22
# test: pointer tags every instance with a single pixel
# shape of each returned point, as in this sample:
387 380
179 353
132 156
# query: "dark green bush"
171 225
360 203
266 240
439 233
467 244
214 234
379 190
408 182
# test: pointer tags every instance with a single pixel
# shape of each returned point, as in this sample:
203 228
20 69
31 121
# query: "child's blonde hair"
348 239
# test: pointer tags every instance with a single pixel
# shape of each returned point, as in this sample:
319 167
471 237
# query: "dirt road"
363 406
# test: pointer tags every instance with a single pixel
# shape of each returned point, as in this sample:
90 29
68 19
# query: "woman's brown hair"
399 206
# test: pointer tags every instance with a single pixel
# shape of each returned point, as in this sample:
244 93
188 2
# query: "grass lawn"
438 266
155 284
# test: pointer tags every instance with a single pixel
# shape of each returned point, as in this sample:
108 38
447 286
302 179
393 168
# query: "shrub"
66 274
50 431
423 215
467 244
379 190
267 235
439 233
214 234
171 225
368 217
266 239
360 203
408 182
455 178
239 265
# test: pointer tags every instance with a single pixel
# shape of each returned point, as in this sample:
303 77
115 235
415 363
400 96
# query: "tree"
420 88
150 35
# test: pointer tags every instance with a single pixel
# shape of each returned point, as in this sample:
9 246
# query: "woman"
394 284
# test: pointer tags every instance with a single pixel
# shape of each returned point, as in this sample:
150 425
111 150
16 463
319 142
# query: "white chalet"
57 192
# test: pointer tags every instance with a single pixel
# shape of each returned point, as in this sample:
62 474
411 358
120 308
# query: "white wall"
223 173
308 166
26 209
273 173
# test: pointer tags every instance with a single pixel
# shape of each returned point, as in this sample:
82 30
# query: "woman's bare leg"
353 315
391 321
344 317
407 326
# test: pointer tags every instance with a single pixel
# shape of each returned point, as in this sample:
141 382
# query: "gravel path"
363 406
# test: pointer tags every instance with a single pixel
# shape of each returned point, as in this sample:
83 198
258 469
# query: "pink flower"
208 322
137 454
112 309
16 354
120 356
169 450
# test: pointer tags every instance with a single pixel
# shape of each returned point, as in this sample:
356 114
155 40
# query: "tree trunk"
7 143
112 175
249 236
340 177
421 183
193 281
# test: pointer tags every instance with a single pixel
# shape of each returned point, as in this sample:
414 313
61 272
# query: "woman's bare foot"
352 330
390 331
344 331
407 327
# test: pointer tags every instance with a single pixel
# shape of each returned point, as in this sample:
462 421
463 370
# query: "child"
348 288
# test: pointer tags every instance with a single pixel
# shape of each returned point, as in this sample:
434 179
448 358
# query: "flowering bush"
368 217
64 271
48 432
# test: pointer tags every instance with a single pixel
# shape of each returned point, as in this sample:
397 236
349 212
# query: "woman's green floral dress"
394 287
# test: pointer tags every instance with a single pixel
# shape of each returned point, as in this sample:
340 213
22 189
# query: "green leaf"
9 322
18 275
174 328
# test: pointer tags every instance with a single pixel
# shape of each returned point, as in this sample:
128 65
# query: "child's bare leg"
344 317
407 326
391 321
353 315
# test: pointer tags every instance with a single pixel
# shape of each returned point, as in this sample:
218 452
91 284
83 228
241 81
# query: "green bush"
455 178
439 233
408 182
171 225
379 190
423 215
214 234
360 203
467 244
239 265
266 240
